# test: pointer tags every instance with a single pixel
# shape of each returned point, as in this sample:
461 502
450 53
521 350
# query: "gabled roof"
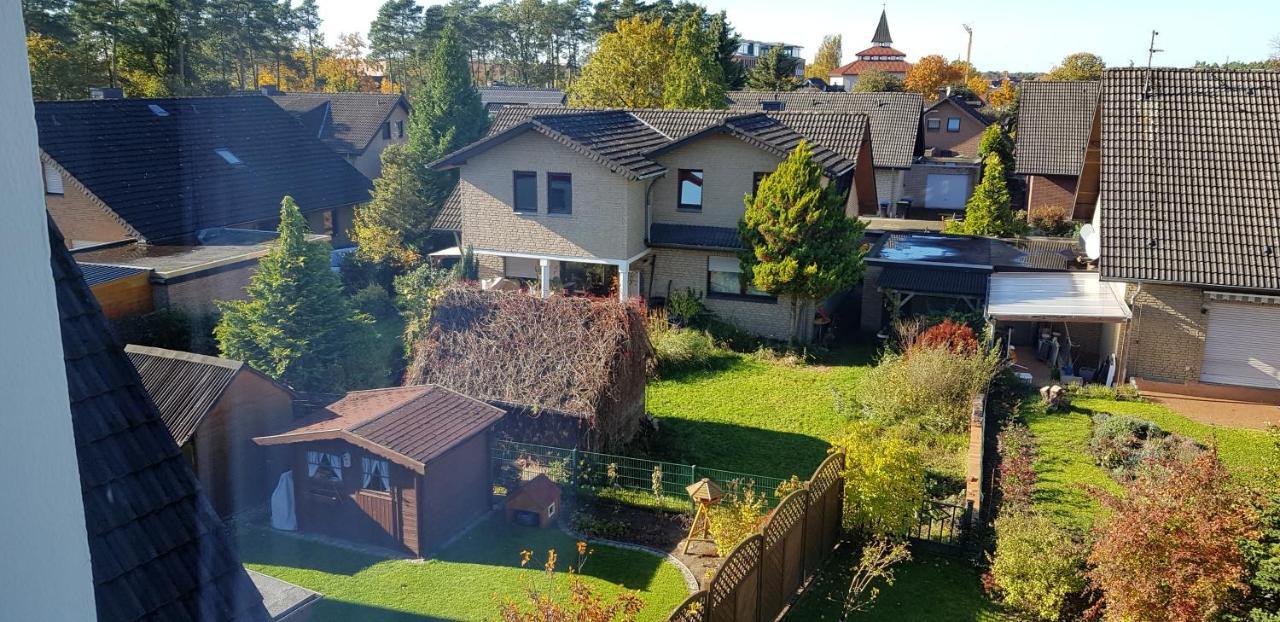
1190 177
185 386
410 426
520 96
450 216
896 135
959 102
157 549
1054 121
154 162
347 122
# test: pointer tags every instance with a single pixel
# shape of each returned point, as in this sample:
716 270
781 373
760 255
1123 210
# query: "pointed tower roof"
882 32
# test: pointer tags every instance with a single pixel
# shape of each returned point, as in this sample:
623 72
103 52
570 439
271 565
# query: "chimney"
269 89
948 92
103 92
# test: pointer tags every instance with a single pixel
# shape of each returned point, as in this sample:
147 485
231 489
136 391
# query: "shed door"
946 191
1243 345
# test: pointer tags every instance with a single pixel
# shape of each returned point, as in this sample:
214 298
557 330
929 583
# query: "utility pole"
968 51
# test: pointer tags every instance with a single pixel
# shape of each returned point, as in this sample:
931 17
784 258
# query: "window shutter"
716 263
52 180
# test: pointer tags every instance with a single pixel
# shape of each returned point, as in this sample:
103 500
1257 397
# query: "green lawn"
754 416
466 582
928 588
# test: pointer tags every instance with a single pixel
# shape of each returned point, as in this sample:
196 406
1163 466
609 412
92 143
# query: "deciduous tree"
931 74
694 79
628 68
877 81
826 58
883 480
1078 66
1003 96
60 70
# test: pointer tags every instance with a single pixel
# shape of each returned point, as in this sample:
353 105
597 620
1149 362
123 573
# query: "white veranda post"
544 276
624 282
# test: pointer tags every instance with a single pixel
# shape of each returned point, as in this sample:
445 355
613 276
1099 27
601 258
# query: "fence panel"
693 609
783 570
942 523
734 593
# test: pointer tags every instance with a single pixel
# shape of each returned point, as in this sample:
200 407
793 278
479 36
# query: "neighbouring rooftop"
221 247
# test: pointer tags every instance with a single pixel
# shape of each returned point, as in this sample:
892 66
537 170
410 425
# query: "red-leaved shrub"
951 335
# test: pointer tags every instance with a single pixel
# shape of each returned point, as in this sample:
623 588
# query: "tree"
394 33
295 324
628 68
307 20
988 212
995 140
1003 96
735 77
1170 548
799 242
59 70
875 565
694 79
1078 66
977 85
883 480
775 71
389 227
877 81
930 75
1038 566
826 59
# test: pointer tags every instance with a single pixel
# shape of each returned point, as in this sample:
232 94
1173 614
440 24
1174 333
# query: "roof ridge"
182 355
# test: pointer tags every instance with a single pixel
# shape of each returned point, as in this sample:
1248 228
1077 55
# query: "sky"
1009 35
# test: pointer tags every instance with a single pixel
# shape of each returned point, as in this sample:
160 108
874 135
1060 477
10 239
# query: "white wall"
46 573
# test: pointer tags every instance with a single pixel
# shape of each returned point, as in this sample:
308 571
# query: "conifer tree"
799 242
695 79
988 212
295 325
774 71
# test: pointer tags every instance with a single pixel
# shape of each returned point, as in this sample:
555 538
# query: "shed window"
953 124
324 466
399 129
52 180
377 474
690 189
725 278
386 130
551 510
559 193
932 125
526 191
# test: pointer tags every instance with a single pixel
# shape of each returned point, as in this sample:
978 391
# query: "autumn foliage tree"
1078 66
932 73
628 68
826 59
1004 95
1170 550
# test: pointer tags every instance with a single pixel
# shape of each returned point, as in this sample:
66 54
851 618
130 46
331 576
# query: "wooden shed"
535 504
121 291
213 408
405 468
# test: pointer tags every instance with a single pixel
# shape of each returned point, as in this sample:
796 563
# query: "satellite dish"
1092 242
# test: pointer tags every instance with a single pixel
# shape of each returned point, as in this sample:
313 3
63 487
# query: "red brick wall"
81 218
964 142
1046 191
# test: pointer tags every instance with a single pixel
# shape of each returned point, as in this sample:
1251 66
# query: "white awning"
1055 297
452 251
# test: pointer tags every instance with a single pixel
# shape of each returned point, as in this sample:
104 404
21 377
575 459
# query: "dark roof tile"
347 122
694 236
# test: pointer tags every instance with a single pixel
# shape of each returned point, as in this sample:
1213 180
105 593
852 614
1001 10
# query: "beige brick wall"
728 165
1166 335
197 295
598 227
369 162
888 185
687 269
917 180
81 218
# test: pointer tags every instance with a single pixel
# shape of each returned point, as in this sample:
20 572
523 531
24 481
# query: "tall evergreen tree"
393 35
988 212
694 78
774 71
296 326
799 243
307 22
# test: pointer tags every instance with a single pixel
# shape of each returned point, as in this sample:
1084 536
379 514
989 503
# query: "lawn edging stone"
690 581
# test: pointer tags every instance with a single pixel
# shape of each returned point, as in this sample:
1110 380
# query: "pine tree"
988 211
799 242
695 79
295 325
389 228
774 71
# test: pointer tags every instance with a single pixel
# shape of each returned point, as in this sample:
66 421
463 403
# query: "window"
559 193
377 474
725 278
756 178
526 191
521 268
953 124
228 156
932 125
399 129
324 467
690 181
386 130
551 510
52 180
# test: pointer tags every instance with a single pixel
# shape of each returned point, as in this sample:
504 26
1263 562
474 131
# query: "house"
158 550
953 126
750 50
880 56
653 196
356 125
495 98
1188 212
1055 122
405 468
213 408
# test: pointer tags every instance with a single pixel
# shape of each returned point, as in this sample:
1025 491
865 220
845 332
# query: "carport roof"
1054 296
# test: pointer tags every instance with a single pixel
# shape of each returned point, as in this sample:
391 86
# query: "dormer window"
52 180
229 157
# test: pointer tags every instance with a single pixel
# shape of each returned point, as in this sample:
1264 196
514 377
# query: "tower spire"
882 37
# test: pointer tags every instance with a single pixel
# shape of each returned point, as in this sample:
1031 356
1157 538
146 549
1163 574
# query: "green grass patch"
466 582
928 588
1064 468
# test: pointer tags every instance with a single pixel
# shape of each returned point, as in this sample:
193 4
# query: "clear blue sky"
1026 35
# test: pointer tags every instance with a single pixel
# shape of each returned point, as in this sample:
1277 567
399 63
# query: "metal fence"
942 523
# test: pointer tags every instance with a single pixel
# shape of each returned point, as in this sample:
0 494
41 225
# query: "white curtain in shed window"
380 468
335 463
313 463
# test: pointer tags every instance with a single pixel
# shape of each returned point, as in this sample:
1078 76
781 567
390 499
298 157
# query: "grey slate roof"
347 122
896 135
520 96
98 274
1190 178
694 236
882 30
960 102
157 549
1054 122
160 173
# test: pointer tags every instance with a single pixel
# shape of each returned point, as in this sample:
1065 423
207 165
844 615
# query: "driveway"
1219 411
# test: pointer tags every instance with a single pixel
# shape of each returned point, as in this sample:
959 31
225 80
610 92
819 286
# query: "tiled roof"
157 549
520 96
413 424
1190 177
98 274
347 122
881 50
1054 122
857 67
450 216
896 135
959 102
153 161
694 236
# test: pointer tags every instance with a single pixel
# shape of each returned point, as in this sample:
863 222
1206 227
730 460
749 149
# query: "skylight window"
228 156
157 110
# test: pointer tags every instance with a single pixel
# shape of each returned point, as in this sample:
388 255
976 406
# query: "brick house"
1055 121
880 56
653 196
1188 211
953 126
356 125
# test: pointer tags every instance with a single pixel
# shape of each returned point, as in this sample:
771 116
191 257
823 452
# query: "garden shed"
405 468
535 504
570 371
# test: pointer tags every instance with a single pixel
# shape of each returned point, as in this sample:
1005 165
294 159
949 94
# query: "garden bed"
662 531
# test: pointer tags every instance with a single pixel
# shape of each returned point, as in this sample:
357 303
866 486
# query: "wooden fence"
761 576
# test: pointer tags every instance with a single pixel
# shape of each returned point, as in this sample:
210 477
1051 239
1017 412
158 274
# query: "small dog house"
535 504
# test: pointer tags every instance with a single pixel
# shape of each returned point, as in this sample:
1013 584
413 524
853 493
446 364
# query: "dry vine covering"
584 357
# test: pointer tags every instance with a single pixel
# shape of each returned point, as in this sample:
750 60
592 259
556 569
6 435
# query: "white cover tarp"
282 511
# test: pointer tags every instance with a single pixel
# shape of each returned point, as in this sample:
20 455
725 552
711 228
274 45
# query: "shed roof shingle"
347 122
1190 177
159 171
1054 122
